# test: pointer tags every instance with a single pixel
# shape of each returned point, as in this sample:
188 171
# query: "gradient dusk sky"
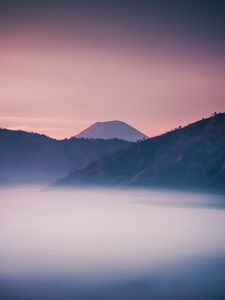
67 64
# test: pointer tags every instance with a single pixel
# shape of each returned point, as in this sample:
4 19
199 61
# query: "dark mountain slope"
190 157
33 157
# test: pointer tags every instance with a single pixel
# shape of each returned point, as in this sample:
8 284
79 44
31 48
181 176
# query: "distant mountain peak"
112 129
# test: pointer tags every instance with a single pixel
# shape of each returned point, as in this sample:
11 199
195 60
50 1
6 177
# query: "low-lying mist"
118 242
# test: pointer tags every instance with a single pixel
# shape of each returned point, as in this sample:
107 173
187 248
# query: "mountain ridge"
33 157
188 157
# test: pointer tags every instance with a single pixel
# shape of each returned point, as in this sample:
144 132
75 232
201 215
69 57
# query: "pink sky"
58 86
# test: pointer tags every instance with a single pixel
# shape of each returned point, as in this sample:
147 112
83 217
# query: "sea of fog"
108 244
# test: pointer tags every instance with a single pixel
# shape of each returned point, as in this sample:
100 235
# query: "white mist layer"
86 232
